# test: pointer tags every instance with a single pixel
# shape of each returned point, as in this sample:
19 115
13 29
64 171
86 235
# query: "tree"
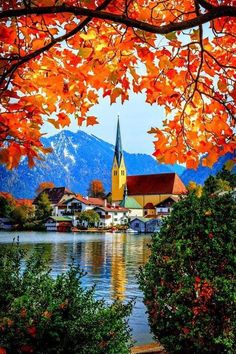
43 207
96 189
224 180
195 188
6 207
57 57
89 217
188 282
22 214
45 315
44 185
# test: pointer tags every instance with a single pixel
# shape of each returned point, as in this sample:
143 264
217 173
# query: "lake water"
111 261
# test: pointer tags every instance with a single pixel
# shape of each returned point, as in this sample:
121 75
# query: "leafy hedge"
39 314
188 282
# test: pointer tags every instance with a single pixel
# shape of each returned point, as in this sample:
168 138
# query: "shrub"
41 314
188 281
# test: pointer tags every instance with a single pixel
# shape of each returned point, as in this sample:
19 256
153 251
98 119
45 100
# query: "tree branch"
37 52
215 12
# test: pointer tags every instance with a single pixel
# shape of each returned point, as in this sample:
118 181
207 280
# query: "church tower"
118 178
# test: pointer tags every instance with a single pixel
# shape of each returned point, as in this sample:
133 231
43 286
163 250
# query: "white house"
112 215
165 207
76 204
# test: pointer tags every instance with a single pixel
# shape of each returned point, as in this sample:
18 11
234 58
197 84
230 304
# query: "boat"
132 231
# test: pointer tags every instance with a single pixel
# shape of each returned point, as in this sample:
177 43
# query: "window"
115 219
136 224
115 173
122 172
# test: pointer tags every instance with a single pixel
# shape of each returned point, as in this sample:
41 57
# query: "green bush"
188 282
41 314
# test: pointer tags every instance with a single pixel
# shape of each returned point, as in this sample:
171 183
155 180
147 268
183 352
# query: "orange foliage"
55 58
44 185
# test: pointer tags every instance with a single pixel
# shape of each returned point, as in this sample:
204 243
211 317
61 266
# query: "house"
149 210
165 207
112 215
145 189
77 203
145 225
139 224
134 207
6 224
56 196
59 223
153 225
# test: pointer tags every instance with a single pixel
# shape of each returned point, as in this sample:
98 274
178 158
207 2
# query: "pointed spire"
118 146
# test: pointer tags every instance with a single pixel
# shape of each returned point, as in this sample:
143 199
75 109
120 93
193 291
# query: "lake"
111 261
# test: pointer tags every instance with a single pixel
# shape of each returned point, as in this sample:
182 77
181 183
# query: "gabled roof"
161 183
169 200
130 203
90 200
60 218
54 194
112 209
141 218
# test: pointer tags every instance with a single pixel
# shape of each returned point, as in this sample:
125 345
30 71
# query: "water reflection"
111 261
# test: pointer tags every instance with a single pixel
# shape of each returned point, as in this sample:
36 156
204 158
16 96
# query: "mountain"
77 158
202 173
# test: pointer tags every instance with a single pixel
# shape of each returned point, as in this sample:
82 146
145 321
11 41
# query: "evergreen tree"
43 208
6 207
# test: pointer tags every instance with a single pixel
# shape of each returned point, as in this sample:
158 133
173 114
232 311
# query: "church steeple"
118 178
118 146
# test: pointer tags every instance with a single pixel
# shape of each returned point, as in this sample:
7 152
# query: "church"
143 192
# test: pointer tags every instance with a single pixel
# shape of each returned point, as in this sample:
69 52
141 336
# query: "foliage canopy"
189 281
96 189
56 57
42 314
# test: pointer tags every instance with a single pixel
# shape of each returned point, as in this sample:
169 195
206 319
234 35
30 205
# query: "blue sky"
136 118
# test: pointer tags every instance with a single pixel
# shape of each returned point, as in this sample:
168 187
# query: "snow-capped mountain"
77 158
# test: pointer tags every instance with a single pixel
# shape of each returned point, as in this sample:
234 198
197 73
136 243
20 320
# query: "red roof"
149 206
112 208
161 183
89 200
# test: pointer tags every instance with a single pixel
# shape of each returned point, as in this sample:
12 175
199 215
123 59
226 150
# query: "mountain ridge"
77 158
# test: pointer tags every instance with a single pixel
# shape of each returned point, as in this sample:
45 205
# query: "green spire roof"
118 146
130 203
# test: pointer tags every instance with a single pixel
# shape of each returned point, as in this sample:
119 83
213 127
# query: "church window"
122 172
115 173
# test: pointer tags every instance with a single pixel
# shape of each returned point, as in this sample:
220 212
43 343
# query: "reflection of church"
145 191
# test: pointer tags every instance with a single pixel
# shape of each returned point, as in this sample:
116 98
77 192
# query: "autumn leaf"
115 94
85 52
91 120
57 63
63 119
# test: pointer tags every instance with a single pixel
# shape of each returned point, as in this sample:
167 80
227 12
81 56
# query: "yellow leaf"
89 35
85 52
